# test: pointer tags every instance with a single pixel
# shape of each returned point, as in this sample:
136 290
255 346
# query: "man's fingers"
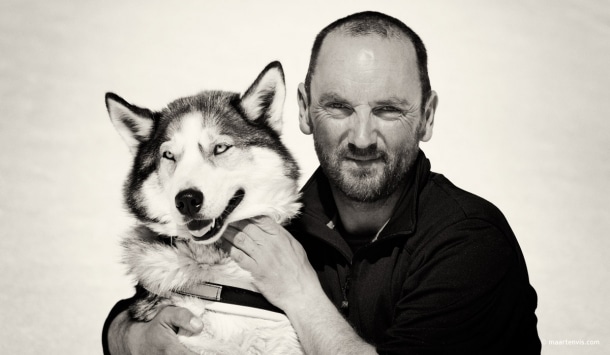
240 239
266 224
254 226
181 318
233 247
240 225
251 243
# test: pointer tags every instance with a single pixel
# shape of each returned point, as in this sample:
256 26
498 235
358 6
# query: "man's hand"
278 262
158 336
283 274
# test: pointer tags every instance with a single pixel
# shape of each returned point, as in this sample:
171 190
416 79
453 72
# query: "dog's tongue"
200 227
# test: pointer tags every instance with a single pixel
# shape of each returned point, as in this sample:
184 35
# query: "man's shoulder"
441 203
452 221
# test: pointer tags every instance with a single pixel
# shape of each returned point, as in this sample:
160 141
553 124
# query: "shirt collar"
404 215
320 209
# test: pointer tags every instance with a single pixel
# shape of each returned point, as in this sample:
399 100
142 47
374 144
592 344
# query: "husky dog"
199 164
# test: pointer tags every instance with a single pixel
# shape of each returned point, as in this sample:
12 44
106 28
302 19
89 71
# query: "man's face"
365 114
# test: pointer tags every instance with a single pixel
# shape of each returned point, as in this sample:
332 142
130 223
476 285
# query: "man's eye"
337 109
387 109
168 155
221 148
388 112
337 105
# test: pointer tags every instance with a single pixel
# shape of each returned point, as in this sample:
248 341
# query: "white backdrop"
523 121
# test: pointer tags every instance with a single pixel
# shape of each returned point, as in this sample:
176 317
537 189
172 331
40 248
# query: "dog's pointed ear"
133 123
264 100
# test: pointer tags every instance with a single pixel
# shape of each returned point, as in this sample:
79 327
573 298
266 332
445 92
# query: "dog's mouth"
205 229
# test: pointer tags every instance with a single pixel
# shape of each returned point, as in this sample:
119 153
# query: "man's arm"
285 277
322 329
473 296
124 336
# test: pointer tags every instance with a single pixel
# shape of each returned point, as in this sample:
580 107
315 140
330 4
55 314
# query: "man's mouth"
364 161
205 229
360 158
364 155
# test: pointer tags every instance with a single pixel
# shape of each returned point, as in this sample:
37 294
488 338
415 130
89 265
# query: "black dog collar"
229 294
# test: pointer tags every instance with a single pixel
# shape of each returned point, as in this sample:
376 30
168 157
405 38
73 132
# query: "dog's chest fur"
163 266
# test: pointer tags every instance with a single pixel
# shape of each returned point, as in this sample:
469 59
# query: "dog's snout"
189 202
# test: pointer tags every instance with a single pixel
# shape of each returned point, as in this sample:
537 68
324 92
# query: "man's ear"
304 120
133 123
264 100
429 112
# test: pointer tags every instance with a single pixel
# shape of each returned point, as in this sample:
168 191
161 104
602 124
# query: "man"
391 258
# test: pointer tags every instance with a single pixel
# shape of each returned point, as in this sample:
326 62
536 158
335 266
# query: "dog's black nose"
189 201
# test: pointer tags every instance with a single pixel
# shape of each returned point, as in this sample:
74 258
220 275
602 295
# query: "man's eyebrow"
393 101
331 96
390 101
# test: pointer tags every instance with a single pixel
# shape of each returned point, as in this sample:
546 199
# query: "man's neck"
364 218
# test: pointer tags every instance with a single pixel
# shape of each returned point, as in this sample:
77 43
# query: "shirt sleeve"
119 307
465 293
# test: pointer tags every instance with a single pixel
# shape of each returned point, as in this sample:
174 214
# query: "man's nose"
363 132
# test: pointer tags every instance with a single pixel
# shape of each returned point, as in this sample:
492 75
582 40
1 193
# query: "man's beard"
367 184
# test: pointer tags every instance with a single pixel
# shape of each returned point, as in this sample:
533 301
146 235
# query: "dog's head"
208 160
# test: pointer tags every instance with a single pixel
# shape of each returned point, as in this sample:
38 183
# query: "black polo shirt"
445 275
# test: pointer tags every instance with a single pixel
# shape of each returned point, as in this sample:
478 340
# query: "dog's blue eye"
221 148
168 155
